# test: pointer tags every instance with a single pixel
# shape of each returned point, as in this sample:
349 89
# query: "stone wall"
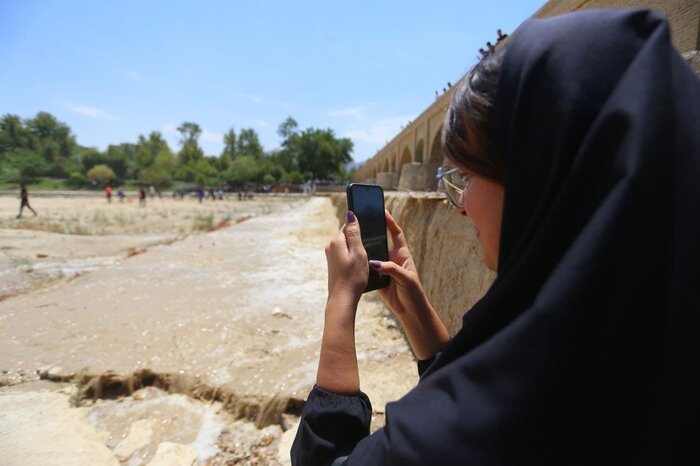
684 15
446 251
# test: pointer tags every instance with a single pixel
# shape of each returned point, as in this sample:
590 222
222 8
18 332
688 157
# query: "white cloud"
363 127
251 97
211 137
378 131
206 137
92 112
261 123
134 76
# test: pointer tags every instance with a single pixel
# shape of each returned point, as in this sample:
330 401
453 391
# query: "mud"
230 318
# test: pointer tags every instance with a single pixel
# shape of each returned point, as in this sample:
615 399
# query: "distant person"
222 193
240 196
152 191
120 194
108 193
200 194
24 196
142 195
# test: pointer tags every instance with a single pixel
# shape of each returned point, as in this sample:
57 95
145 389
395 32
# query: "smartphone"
367 202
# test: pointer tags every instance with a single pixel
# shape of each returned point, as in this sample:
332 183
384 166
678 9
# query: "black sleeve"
426 363
330 427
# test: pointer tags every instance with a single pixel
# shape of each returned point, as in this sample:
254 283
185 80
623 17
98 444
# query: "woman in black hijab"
586 349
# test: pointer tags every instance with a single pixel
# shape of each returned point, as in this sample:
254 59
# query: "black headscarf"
586 350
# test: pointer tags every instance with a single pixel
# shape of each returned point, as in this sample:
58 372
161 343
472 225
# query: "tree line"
43 146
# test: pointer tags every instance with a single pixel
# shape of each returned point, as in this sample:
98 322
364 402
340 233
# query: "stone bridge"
409 161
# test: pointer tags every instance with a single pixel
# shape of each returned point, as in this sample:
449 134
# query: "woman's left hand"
348 270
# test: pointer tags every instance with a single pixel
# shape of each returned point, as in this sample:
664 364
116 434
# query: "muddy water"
232 316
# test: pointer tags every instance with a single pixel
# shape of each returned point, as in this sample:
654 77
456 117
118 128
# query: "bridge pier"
387 180
418 176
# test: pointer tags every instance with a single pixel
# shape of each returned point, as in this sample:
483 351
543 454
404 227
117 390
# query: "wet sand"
233 316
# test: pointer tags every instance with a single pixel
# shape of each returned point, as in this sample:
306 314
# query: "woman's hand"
405 294
347 278
407 299
347 261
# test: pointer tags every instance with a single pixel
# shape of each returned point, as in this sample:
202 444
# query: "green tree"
52 140
320 154
90 157
101 174
206 172
229 145
160 173
190 132
187 160
243 170
122 159
148 148
287 128
13 134
248 144
22 165
294 178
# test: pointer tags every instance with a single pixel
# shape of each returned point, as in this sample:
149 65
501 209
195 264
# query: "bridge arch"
419 152
405 157
436 155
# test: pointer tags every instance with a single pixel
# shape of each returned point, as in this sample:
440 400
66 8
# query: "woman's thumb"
352 231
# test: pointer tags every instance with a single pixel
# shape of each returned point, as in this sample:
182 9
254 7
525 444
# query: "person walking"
24 201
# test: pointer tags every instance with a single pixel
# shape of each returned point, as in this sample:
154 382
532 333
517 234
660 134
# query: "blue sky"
114 70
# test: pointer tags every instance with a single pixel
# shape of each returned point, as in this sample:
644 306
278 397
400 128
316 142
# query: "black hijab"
586 350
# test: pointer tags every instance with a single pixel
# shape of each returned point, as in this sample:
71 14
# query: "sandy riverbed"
231 316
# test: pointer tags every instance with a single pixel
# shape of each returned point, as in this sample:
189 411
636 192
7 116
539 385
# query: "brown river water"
154 342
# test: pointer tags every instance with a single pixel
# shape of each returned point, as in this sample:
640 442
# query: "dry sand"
233 315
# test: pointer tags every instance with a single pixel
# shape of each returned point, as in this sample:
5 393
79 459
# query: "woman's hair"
470 135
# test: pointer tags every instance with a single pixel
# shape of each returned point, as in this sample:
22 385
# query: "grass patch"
203 222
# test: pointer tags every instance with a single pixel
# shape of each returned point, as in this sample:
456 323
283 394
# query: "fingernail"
351 217
375 264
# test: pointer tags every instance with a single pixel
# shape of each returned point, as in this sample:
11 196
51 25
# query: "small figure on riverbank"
142 195
24 196
120 194
108 193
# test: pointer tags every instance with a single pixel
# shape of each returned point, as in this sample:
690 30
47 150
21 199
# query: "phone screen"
367 202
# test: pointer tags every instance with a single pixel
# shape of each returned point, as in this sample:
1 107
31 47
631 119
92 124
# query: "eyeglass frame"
442 172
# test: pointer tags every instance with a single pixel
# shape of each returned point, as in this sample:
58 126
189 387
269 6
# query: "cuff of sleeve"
330 427
425 364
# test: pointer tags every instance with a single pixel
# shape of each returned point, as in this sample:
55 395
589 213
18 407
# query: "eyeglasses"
453 183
